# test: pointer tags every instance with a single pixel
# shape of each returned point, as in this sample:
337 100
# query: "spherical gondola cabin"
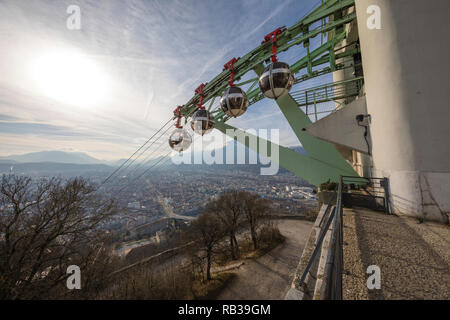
202 122
234 102
180 140
276 80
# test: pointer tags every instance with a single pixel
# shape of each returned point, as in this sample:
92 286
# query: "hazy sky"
131 64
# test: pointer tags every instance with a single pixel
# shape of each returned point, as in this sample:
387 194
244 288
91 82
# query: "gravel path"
270 276
414 258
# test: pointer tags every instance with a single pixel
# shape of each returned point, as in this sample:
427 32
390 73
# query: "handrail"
333 84
335 275
331 91
316 249
378 185
331 266
319 241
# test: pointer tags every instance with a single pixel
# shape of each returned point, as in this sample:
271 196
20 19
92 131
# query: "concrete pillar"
407 81
349 71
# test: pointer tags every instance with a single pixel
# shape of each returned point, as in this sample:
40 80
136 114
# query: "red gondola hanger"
177 113
272 37
202 120
199 91
230 66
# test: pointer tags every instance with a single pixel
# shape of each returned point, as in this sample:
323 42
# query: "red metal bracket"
199 91
272 37
230 66
177 113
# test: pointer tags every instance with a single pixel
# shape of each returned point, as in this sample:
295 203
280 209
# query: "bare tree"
228 208
46 226
255 210
208 228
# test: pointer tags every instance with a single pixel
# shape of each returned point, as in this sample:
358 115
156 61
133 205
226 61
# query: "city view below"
224 159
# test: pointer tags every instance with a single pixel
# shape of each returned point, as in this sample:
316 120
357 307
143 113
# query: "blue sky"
151 55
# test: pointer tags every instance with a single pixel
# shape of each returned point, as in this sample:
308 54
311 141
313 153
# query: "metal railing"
366 190
375 189
332 217
329 218
334 291
371 193
328 92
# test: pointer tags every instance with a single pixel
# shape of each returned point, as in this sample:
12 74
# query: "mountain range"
72 162
83 158
52 156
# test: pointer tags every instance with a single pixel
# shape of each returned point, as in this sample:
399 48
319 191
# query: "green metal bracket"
308 54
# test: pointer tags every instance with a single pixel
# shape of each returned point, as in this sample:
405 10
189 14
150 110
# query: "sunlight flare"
69 77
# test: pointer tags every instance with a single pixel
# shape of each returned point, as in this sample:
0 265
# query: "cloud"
154 53
4 117
35 128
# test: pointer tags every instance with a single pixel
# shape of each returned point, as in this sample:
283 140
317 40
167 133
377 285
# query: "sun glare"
69 77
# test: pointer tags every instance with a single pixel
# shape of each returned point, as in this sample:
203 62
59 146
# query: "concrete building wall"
407 83
341 127
361 162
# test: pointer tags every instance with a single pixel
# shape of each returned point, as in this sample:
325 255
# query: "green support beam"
315 171
315 148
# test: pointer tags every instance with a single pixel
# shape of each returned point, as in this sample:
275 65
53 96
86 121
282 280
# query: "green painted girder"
328 27
315 148
323 161
326 9
303 62
328 46
316 57
294 35
328 163
315 171
256 94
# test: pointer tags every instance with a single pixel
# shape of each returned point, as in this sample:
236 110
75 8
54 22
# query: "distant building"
134 205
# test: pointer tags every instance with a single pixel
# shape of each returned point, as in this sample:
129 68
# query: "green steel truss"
323 161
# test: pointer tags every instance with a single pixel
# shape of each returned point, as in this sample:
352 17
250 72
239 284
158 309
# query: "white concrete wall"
407 80
341 127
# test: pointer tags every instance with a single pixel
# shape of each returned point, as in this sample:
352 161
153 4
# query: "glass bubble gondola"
276 80
180 140
202 122
234 102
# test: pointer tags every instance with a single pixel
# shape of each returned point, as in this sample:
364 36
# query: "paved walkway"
414 258
270 276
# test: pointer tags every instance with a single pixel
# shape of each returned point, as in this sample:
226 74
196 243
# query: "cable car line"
115 171
154 166
145 172
148 147
147 158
